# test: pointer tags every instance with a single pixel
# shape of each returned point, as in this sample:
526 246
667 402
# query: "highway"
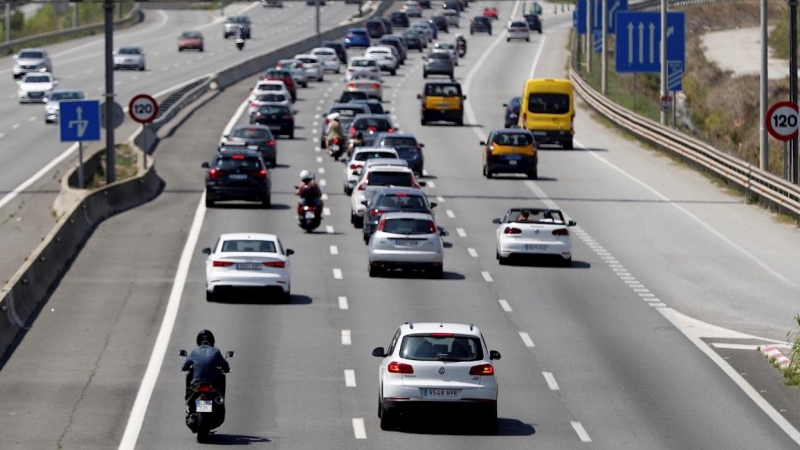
594 356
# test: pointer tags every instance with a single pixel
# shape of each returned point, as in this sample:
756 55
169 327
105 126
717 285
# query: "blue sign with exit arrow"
639 45
614 6
79 120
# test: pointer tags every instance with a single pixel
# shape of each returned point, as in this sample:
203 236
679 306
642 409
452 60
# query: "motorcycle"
462 49
205 404
309 217
239 43
335 148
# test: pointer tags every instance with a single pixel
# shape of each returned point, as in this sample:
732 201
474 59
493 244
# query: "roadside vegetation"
792 371
126 162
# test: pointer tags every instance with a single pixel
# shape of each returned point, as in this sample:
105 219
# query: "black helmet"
205 337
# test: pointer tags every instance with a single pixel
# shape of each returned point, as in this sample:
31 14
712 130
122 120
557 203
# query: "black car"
512 112
438 63
440 22
394 199
534 22
253 137
426 4
397 43
348 96
387 23
278 118
375 106
413 40
237 174
400 19
341 51
375 28
480 24
347 112
408 149
370 126
453 4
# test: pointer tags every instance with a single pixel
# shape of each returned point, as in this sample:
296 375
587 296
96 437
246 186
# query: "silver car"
518 29
31 60
366 82
448 47
129 58
53 106
452 16
406 240
296 68
314 69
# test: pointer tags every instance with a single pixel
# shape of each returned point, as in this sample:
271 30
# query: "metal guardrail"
753 180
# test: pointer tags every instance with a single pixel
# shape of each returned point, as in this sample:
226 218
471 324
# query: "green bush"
17 21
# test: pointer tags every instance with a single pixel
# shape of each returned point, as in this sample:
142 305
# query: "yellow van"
548 111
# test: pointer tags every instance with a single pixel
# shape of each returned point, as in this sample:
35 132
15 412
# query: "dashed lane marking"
319 159
321 170
324 196
326 211
349 378
343 303
431 184
359 429
526 338
551 381
472 252
439 198
582 434
322 182
15 126
334 250
461 232
450 214
504 304
337 274
329 229
346 337
487 276
31 119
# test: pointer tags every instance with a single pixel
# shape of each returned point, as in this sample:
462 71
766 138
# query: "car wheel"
210 296
490 33
490 422
460 122
508 39
142 68
209 203
305 85
374 271
527 39
358 222
388 420
437 273
424 74
533 175
180 49
423 122
291 134
394 72
202 49
471 32
567 262
568 145
286 297
266 202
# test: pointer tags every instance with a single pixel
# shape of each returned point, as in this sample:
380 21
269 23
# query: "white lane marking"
551 381
321 170
321 102
326 211
334 250
504 304
31 119
343 303
526 338
472 252
359 429
743 346
319 159
582 434
424 171
347 338
324 196
430 184
322 182
439 198
337 274
349 378
450 214
461 232
15 126
329 229
487 276
1 135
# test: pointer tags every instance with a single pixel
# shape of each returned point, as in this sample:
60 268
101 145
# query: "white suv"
437 364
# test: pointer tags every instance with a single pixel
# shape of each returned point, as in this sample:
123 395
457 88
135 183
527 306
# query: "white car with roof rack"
437 365
534 232
354 165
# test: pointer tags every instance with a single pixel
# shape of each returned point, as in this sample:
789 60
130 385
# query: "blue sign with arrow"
639 45
614 6
79 120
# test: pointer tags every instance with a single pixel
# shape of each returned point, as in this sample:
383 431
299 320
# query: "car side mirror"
464 97
494 355
295 112
379 352
225 136
434 205
419 96
443 232
182 353
482 143
289 252
505 105
205 165
364 202
231 354
571 223
206 251
497 220
421 145
422 183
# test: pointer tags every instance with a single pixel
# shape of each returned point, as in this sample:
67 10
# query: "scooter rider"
308 191
461 41
358 141
240 37
335 129
205 364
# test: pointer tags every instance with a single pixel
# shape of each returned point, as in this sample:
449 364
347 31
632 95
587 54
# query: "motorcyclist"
205 364
335 129
308 191
461 41
358 141
240 32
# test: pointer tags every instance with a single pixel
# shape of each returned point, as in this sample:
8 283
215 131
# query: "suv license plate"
248 266
441 393
536 248
238 176
203 406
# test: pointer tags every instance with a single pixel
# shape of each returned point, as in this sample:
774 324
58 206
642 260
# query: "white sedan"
248 260
314 69
267 86
35 87
443 364
354 166
534 232
328 58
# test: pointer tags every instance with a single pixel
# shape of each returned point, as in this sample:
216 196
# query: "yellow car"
510 150
442 101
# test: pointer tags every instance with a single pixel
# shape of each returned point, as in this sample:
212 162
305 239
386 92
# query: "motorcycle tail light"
204 388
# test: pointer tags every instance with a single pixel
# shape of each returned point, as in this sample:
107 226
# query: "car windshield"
514 139
399 141
129 51
66 96
363 63
515 102
401 201
290 64
372 124
548 103
191 35
278 98
441 348
247 245
237 20
363 156
31 55
389 179
251 133
37 79
228 163
270 87
273 109
443 90
307 60
278 74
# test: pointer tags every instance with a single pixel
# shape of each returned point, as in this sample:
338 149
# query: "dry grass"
126 163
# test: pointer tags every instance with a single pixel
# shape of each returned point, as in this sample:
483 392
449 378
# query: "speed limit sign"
143 108
782 121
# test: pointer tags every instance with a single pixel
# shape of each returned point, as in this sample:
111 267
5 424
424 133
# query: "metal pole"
763 136
634 92
108 6
793 85
589 43
8 20
80 166
604 56
319 38
785 160
75 15
674 109
664 117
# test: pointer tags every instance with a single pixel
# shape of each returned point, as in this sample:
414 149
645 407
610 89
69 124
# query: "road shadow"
505 427
236 439
246 296
554 262
514 176
417 274
238 205
429 177
282 166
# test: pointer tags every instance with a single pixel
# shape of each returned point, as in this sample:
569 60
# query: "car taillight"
271 143
375 212
279 264
223 263
254 105
261 173
561 232
352 132
397 367
432 226
205 388
524 117
362 187
512 230
381 225
216 174
351 70
375 85
335 141
484 370
288 116
355 166
390 130
351 85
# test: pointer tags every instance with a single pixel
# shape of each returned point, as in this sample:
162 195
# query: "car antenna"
441 325
410 325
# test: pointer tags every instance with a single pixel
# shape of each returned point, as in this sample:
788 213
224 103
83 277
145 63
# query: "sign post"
79 121
143 108
782 121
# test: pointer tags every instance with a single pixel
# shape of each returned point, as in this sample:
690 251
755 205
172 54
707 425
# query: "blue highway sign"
79 120
614 6
639 44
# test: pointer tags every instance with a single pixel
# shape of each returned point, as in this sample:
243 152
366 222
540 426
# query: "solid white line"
349 378
346 337
343 303
139 409
359 429
742 346
526 339
504 304
657 305
450 214
461 232
337 274
334 250
487 277
15 126
582 434
551 381
329 229
472 252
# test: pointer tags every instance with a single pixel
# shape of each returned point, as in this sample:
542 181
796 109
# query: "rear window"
523 25
363 63
252 133
408 226
270 87
37 79
307 60
535 216
225 162
548 103
358 32
435 348
401 201
443 90
439 55
373 123
67 96
347 96
407 153
347 113
273 109
129 51
248 245
191 35
480 20
279 73
389 179
271 98
375 24
515 139
399 141
363 156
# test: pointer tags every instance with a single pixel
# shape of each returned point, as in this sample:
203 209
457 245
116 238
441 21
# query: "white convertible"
534 232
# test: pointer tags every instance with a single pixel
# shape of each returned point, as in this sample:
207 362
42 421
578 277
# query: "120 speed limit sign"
782 121
143 108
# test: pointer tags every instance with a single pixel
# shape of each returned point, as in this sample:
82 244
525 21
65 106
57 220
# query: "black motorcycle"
205 404
309 217
462 49
240 43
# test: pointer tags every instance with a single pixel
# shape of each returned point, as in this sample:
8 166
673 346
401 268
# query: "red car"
190 40
490 12
286 77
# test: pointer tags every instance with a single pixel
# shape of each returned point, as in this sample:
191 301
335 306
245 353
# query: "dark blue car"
356 37
512 112
408 149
